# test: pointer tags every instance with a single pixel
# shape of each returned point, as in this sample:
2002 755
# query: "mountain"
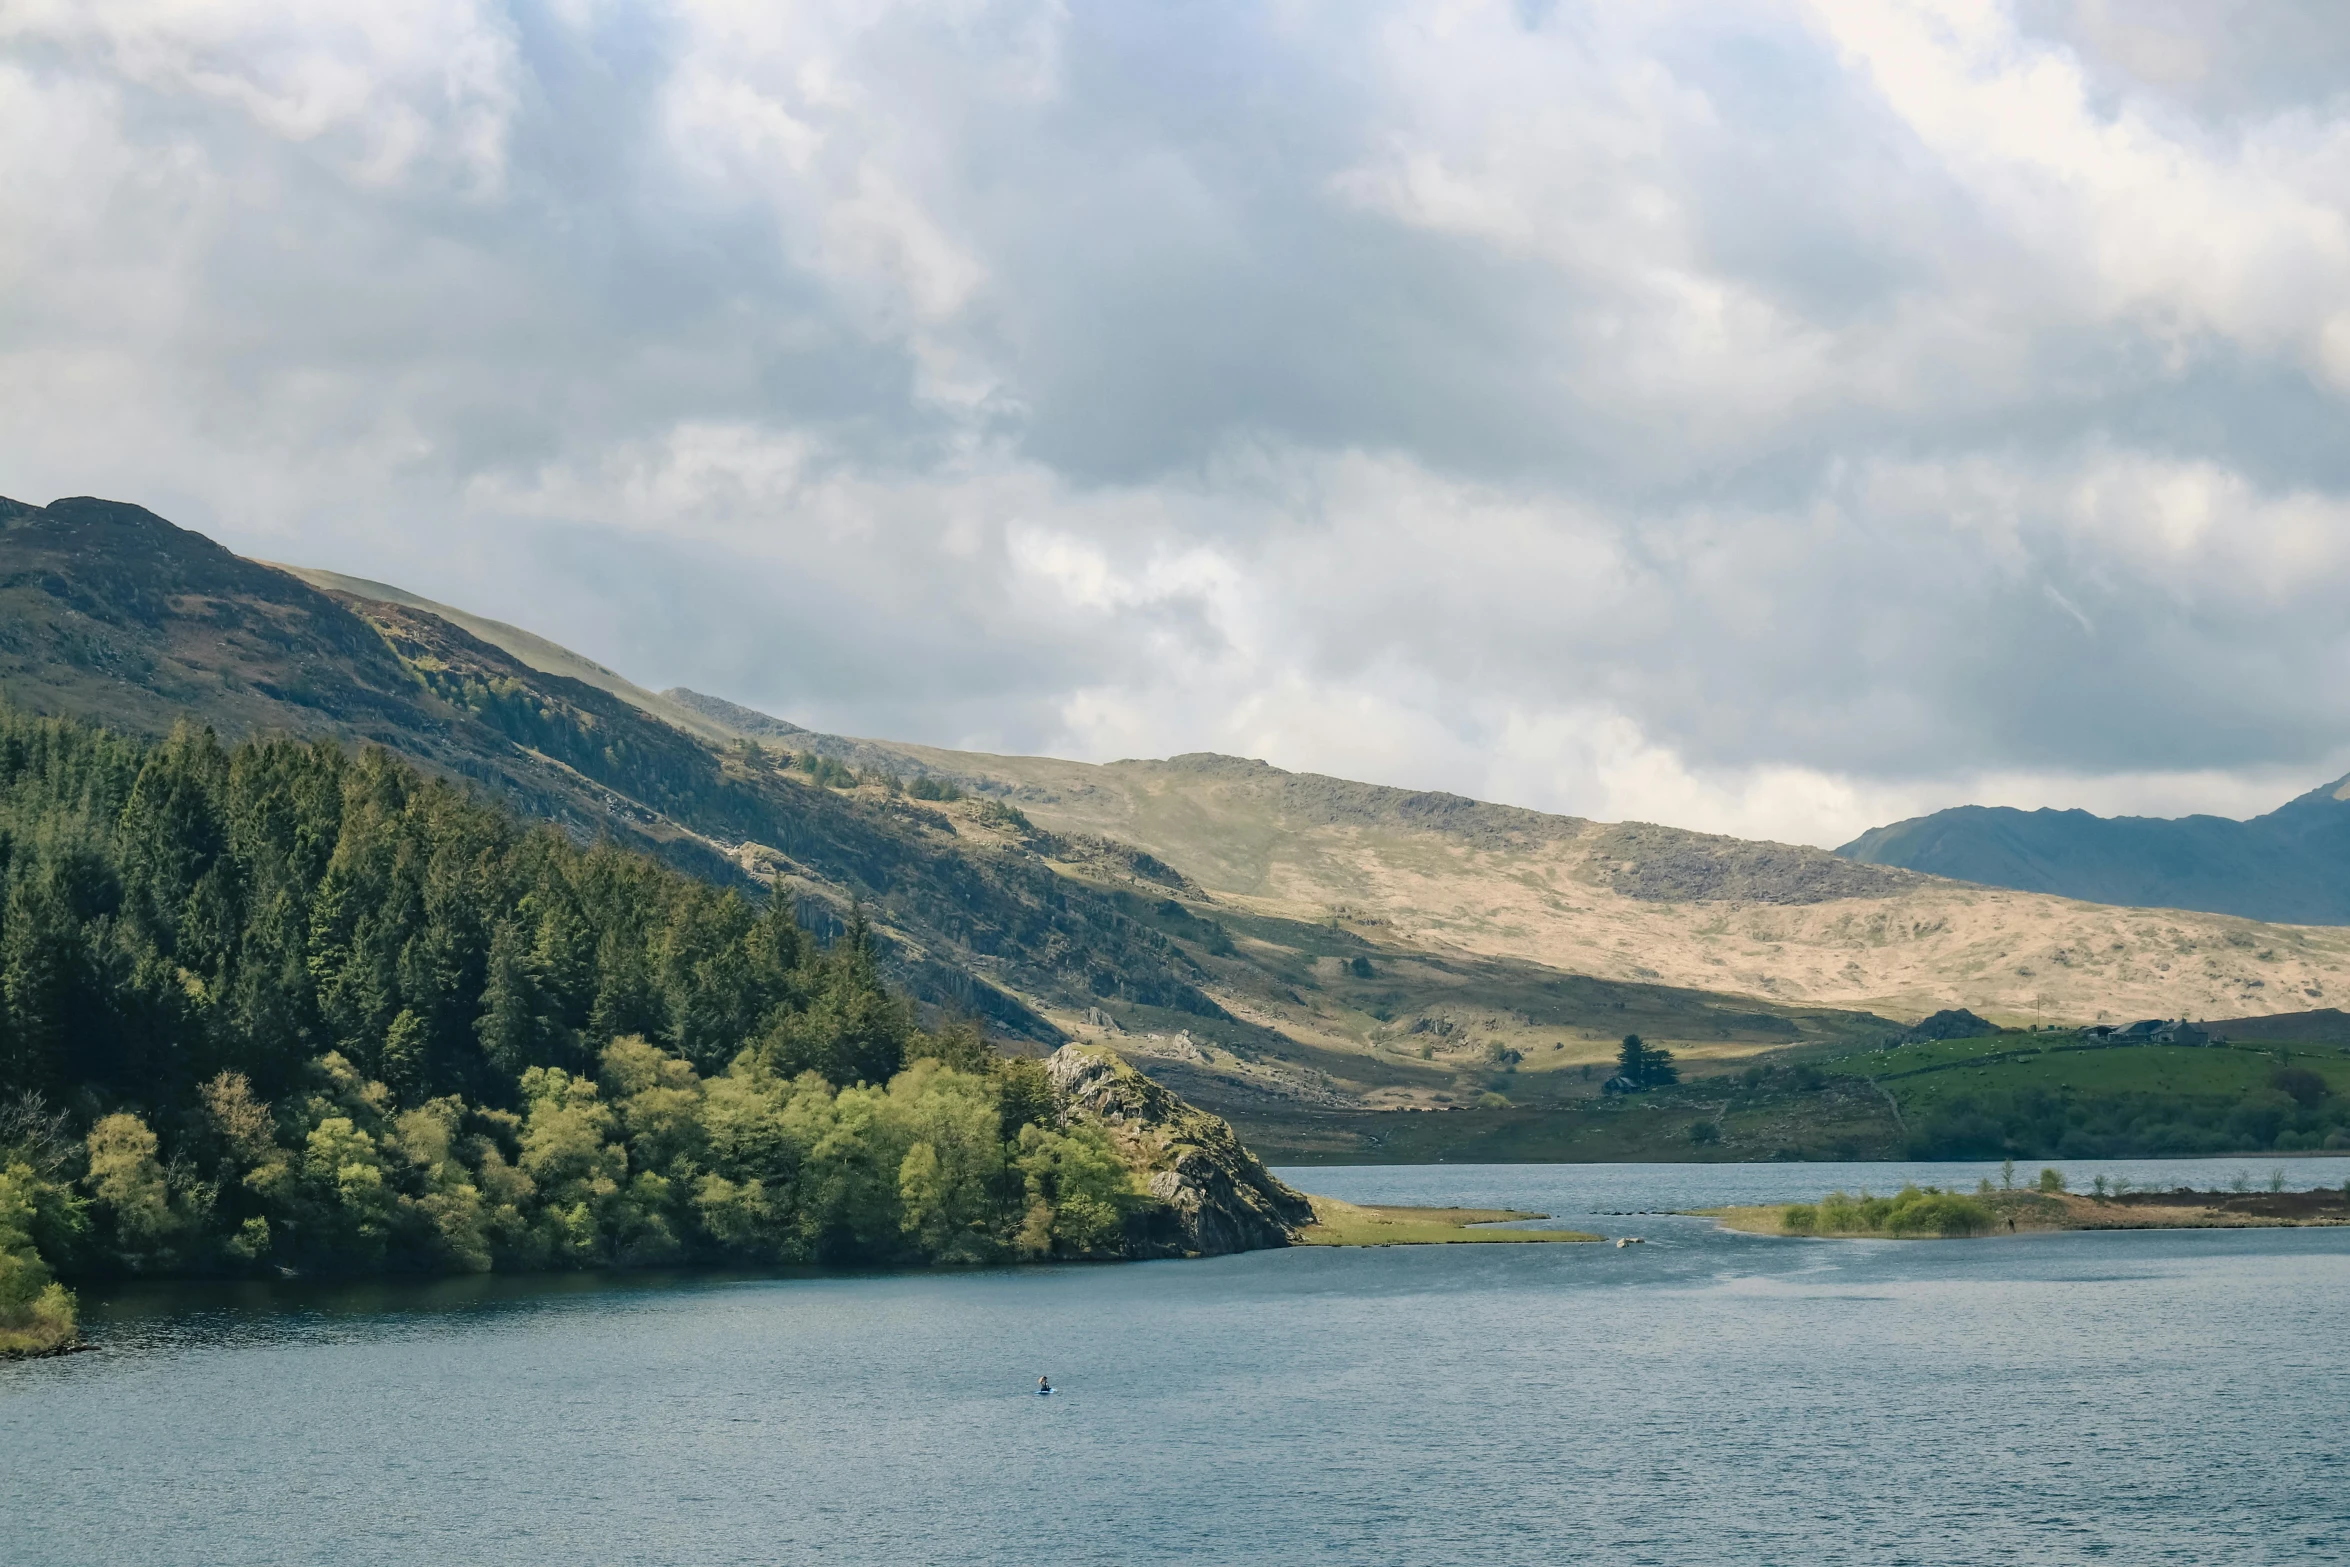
2291 865
526 647
1639 903
1305 955
110 613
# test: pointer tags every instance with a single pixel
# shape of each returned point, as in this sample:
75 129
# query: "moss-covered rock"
1218 1195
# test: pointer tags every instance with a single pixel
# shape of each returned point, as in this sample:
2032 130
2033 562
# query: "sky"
1775 419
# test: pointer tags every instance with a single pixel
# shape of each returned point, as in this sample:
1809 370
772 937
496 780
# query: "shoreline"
1338 1223
2037 1212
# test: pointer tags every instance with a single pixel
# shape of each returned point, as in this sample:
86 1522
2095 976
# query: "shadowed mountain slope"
2291 865
525 647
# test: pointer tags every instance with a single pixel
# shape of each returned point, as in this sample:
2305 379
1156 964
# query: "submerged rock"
1218 1196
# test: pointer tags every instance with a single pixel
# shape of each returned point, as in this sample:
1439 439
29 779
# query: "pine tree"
1645 1066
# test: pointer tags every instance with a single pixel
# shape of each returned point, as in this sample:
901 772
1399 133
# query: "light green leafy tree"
572 1153
951 1180
36 1312
1079 1192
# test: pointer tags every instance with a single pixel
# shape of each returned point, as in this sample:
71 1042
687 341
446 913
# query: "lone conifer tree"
1644 1065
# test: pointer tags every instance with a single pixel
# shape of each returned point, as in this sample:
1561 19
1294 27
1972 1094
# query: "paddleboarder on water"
1044 1385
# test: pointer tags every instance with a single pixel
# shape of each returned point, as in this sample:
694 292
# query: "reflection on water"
1707 1398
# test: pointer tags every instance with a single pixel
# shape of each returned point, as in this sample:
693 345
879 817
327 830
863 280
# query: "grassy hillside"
2058 1094
2023 1096
1780 1114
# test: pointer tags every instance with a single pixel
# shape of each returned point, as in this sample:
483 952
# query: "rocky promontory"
1217 1197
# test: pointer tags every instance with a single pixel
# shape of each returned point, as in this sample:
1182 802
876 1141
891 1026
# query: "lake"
2169 1397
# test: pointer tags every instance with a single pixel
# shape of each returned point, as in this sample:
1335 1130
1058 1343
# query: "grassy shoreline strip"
1928 1214
1356 1224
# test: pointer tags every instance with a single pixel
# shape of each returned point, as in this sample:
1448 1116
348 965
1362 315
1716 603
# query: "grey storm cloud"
1773 417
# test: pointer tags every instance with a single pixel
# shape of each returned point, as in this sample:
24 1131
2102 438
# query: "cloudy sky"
1774 418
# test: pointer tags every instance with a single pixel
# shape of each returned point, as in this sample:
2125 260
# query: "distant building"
2151 1031
1620 1085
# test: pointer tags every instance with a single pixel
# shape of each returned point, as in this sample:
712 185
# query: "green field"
1783 1115
2057 1094
2026 1096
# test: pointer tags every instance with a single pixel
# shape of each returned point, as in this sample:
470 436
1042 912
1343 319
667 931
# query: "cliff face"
1220 1197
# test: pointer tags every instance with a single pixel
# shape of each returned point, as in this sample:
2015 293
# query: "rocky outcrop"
1669 865
1217 1196
1950 1023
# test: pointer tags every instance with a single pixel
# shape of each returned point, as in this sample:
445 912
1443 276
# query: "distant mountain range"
2291 866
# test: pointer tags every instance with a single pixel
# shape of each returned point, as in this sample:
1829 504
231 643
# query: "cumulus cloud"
1774 417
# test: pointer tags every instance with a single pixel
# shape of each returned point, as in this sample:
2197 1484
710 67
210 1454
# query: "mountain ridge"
528 647
1640 902
2290 865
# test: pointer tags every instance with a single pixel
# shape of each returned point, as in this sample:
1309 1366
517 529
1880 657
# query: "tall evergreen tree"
1644 1065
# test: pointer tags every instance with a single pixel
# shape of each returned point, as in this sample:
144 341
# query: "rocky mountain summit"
1221 1197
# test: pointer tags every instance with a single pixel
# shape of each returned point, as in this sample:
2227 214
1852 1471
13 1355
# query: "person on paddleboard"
1044 1385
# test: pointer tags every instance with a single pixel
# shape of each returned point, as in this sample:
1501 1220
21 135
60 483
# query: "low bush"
1912 1211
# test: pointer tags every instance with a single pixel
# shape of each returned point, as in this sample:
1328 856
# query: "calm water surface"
1706 1398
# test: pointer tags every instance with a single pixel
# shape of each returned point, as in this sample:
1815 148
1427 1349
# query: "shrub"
2257 1120
2299 1084
36 1312
1911 1211
824 770
1936 1213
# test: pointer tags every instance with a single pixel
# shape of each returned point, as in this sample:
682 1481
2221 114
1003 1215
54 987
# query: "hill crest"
2290 865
